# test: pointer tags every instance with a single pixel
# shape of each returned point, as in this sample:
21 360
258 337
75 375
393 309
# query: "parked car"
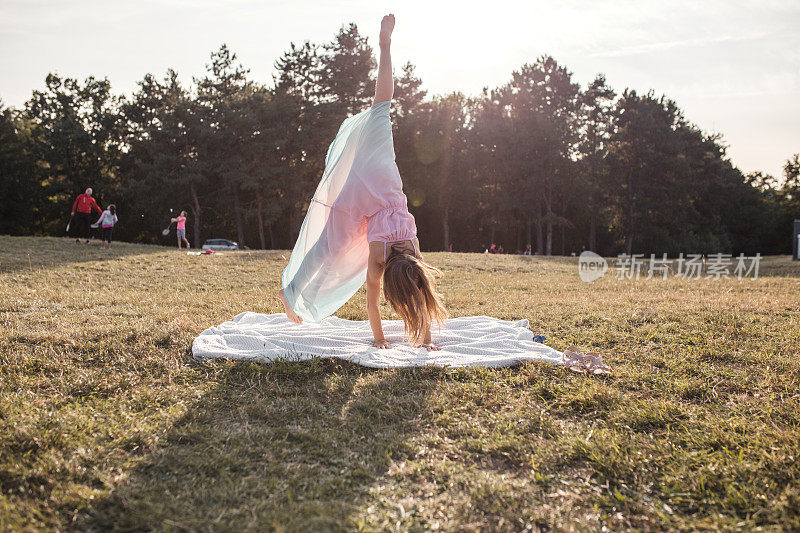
221 244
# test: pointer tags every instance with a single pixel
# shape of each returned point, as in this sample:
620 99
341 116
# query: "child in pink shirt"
181 230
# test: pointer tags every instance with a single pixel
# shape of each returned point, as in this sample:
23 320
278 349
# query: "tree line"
540 160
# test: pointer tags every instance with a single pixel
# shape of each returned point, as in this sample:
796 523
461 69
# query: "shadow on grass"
34 253
283 445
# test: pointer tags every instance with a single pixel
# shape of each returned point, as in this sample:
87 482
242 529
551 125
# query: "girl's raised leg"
384 87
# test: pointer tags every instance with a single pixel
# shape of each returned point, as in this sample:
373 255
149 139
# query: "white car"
221 244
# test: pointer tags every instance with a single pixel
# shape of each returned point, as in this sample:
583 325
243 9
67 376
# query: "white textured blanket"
465 341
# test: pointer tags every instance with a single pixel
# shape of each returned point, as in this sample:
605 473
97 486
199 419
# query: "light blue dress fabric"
329 261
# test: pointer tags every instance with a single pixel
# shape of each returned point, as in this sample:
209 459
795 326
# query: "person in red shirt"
82 214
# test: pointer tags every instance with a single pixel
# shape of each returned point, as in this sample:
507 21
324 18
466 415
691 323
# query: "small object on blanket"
539 338
464 341
581 363
204 252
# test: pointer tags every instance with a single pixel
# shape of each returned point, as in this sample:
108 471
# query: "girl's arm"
373 297
101 217
384 87
427 342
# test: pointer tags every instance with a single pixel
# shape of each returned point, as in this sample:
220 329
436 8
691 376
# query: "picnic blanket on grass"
465 341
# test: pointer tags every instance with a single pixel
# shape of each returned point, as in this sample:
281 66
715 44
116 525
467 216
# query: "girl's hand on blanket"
431 347
382 344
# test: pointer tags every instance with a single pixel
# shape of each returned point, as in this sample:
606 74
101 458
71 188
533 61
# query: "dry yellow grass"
106 422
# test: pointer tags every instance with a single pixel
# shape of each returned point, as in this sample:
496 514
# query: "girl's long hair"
112 209
409 286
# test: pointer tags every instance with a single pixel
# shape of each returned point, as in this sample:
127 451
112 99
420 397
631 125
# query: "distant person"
527 250
107 221
82 207
181 229
450 248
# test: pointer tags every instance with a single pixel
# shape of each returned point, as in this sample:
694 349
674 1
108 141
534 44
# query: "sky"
733 66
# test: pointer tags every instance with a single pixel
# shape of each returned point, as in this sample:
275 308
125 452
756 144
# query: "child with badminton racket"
181 229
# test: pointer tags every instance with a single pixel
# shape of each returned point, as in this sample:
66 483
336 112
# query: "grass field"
107 423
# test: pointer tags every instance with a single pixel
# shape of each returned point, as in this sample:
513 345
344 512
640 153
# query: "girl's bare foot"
387 26
290 314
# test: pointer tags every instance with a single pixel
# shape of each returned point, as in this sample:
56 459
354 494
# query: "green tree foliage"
270 160
224 96
779 198
162 169
529 131
538 160
20 176
77 141
596 106
791 173
345 71
435 163
672 187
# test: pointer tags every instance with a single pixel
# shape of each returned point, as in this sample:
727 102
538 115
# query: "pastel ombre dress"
359 200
